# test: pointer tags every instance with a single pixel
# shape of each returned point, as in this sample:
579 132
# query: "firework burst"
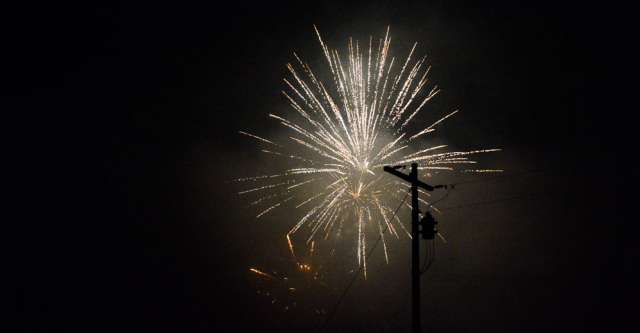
345 130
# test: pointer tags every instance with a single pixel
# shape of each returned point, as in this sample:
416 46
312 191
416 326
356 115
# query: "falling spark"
347 123
257 137
293 254
483 171
442 237
261 273
273 207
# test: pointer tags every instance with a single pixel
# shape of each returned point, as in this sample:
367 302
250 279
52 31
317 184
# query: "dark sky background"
134 110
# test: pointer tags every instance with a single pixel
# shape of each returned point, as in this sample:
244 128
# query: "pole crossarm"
408 178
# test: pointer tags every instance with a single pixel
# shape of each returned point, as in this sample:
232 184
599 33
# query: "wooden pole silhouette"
412 178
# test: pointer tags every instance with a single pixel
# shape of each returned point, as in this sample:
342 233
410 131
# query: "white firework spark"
347 131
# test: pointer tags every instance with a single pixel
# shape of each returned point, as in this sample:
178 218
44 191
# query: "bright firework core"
345 130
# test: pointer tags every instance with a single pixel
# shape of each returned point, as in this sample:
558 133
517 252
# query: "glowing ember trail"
259 272
342 131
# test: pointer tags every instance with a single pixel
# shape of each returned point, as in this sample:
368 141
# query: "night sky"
134 111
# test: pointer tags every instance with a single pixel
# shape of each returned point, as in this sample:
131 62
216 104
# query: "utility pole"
428 230
415 251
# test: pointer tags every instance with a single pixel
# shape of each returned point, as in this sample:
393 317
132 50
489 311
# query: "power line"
427 263
346 290
430 255
487 202
403 305
355 276
528 172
